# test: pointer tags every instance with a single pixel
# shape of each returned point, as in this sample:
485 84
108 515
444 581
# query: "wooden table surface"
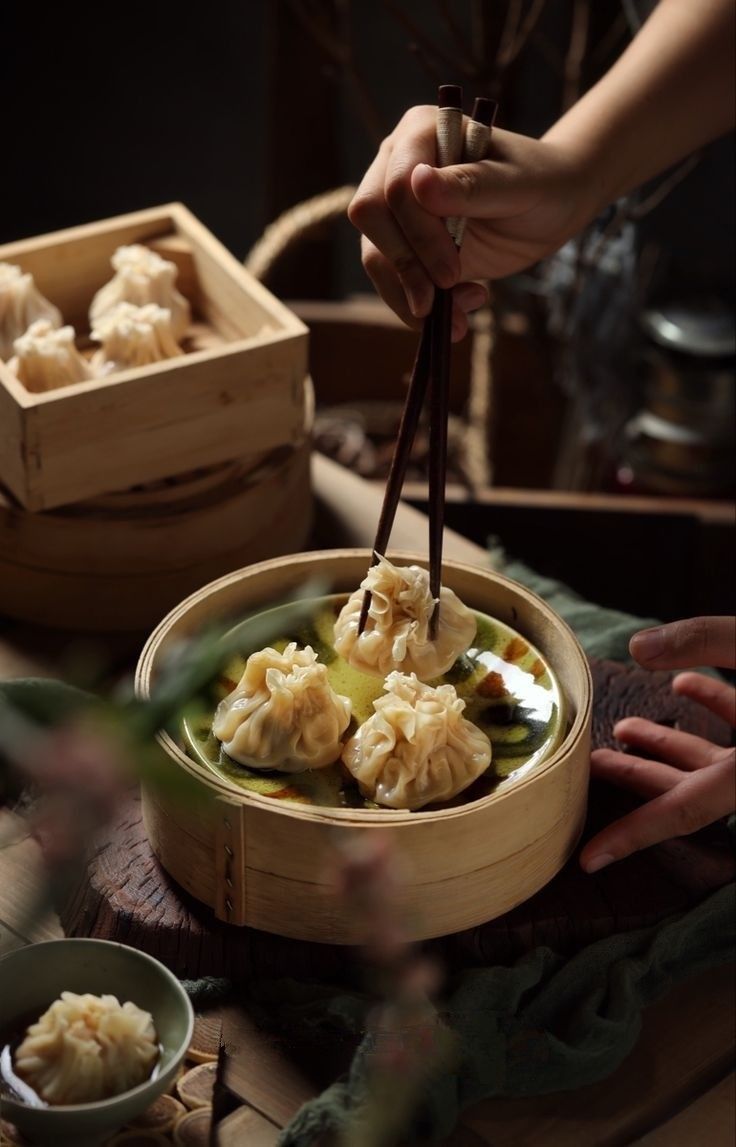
676 1089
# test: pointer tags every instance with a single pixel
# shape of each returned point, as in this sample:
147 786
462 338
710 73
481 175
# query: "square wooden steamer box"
242 393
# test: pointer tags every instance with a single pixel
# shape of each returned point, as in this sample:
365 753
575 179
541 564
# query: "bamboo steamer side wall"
460 866
119 563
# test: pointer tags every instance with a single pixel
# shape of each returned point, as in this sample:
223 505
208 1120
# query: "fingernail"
648 644
418 301
602 860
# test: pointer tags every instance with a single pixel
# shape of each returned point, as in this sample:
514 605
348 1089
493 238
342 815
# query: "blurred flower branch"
406 1042
67 756
477 43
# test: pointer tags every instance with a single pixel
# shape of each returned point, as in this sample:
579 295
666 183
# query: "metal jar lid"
702 327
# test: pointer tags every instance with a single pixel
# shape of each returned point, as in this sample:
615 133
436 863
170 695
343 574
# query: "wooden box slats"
241 393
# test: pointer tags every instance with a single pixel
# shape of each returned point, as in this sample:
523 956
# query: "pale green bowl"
31 978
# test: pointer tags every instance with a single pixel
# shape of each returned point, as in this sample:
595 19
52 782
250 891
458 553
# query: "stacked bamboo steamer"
121 561
118 497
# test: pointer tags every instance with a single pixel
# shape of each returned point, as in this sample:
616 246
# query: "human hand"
692 782
522 203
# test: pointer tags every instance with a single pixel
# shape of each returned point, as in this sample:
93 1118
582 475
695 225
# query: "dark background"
237 108
241 109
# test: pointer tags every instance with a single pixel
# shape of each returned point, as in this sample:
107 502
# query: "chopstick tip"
450 96
484 111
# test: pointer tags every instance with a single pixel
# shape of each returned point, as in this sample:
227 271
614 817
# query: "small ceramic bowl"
31 978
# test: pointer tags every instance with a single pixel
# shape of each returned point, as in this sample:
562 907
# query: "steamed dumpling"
86 1048
142 276
46 358
417 748
396 635
21 303
133 336
284 714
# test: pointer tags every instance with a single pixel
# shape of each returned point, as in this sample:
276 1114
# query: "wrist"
589 182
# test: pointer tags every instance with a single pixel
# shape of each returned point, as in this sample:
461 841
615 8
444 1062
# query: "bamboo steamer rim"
145 671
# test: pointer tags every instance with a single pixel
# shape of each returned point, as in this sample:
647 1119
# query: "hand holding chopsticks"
432 362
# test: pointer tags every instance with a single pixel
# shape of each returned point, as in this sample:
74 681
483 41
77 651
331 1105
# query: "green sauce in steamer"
506 684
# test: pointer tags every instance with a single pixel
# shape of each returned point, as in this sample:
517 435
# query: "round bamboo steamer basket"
263 863
120 562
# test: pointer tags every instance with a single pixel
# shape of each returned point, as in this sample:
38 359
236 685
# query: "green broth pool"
508 687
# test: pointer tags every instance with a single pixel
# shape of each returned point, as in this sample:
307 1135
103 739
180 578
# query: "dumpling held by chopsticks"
396 635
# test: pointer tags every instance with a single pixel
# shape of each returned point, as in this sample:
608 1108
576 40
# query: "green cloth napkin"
601 632
545 1024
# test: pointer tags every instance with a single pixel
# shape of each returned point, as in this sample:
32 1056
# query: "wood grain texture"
348 509
246 1126
21 888
348 332
122 561
260 1069
710 1119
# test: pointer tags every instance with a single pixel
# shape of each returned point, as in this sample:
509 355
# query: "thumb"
685 644
485 190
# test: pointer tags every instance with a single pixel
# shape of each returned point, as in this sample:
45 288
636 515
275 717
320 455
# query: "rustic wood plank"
710 1119
580 539
343 342
259 1071
348 509
21 885
9 939
710 512
685 1046
246 1126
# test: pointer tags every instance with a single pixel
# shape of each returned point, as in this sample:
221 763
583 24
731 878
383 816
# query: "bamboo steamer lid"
263 863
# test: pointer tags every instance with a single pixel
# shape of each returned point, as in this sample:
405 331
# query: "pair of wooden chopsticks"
432 362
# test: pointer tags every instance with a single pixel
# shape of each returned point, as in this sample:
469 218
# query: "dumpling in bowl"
396 635
417 748
283 714
86 1048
